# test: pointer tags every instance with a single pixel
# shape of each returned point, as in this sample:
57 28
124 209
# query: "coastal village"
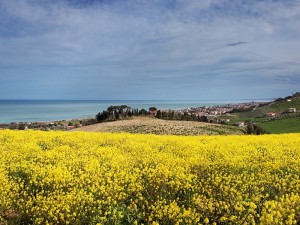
238 114
213 112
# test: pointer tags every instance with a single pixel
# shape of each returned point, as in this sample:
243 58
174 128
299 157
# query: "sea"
54 110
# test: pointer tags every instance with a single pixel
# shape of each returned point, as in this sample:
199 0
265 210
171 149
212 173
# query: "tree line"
178 115
119 113
123 112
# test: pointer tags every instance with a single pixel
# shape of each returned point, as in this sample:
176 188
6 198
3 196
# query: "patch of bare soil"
8 215
149 125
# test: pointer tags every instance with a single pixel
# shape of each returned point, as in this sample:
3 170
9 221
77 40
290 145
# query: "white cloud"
185 39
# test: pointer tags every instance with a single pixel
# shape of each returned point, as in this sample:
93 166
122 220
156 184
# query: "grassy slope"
289 125
280 107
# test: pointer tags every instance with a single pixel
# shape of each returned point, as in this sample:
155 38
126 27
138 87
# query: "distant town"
211 112
268 110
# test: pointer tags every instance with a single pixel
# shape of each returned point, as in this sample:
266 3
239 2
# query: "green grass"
283 106
289 125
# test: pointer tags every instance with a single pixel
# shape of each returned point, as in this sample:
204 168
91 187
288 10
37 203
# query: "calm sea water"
51 110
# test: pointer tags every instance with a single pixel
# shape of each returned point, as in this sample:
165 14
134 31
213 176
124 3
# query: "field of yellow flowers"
102 178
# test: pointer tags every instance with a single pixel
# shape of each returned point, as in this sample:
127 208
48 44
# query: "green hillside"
288 125
282 106
283 121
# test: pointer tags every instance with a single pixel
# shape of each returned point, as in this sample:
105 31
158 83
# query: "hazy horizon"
195 100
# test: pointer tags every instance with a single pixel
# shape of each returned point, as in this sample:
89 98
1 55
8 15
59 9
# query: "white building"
292 110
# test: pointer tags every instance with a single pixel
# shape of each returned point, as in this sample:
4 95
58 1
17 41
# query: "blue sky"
149 49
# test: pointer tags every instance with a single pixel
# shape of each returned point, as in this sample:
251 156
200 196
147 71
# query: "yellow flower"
102 178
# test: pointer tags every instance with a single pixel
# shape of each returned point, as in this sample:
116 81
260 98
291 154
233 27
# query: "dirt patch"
149 125
8 215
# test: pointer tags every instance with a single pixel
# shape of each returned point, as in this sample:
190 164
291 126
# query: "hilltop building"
271 114
292 110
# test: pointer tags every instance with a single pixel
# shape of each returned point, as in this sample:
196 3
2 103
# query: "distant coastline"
58 110
258 116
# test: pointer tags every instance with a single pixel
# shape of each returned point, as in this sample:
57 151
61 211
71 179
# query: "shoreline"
45 112
63 125
72 123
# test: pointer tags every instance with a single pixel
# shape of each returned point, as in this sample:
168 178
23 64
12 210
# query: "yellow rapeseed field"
102 178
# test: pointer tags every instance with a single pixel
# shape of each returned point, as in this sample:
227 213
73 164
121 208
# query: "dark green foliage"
115 113
177 115
253 128
152 109
143 112
203 119
158 114
102 116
